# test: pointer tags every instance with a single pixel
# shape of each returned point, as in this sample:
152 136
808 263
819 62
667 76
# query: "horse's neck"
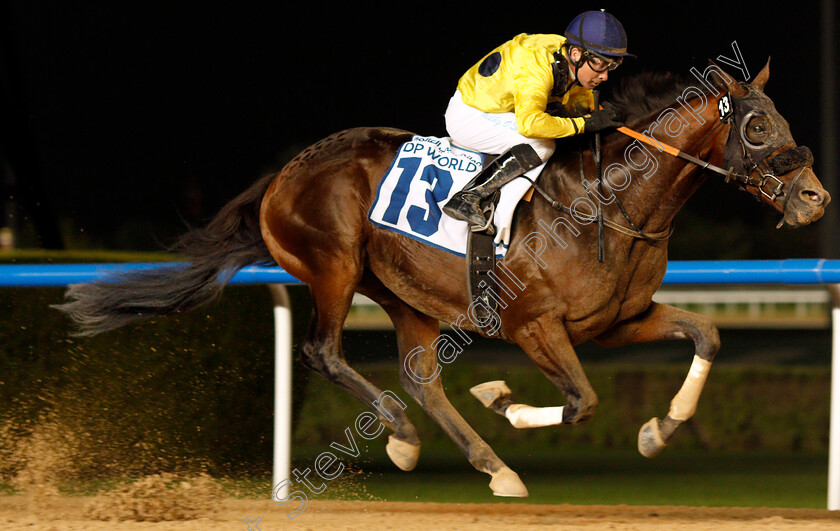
655 195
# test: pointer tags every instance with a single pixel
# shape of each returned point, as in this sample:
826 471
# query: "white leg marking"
524 416
685 403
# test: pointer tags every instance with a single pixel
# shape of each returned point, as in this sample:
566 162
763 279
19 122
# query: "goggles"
599 63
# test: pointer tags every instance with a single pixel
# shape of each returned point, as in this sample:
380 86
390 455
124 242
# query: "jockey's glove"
602 119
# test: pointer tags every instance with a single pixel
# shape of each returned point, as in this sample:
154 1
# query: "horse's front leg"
659 322
546 342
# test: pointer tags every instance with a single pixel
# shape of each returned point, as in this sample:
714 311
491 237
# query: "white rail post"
834 419
282 388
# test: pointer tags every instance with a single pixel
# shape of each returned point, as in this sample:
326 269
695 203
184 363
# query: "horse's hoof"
651 442
489 392
506 483
403 454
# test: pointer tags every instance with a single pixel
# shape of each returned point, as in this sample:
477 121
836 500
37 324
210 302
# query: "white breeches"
495 133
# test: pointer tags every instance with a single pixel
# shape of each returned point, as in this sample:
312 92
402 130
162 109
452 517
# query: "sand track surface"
60 513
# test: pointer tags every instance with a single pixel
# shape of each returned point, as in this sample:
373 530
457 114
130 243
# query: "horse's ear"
762 77
723 81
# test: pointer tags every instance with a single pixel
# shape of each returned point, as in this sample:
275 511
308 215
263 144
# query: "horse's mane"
638 95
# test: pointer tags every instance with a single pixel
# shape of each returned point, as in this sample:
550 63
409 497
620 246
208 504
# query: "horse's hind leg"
420 377
661 321
322 352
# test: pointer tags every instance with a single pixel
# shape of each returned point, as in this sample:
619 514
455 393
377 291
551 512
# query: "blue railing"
44 275
792 271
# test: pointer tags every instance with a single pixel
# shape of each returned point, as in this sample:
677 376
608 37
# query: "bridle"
740 155
756 163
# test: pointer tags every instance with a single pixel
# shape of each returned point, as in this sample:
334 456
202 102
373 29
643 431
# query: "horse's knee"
309 357
419 372
580 410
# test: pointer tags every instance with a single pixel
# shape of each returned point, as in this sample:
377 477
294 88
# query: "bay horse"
311 218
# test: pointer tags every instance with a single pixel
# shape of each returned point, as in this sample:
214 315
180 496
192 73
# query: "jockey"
500 107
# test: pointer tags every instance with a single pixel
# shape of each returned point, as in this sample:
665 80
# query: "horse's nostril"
812 196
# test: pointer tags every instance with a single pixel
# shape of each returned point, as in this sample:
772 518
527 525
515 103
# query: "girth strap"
481 260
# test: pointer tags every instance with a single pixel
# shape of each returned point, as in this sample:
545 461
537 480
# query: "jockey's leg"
512 192
466 204
493 133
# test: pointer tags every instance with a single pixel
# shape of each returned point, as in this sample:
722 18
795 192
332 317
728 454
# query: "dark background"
124 120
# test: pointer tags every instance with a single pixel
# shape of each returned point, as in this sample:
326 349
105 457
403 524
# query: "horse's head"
762 156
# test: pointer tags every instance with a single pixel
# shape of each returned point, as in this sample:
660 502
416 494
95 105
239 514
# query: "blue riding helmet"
599 32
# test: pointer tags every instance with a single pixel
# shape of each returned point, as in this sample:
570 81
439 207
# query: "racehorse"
311 218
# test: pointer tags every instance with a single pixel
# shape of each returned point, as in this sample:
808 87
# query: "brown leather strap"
481 260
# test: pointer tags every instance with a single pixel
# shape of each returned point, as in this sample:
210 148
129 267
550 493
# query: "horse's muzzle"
806 200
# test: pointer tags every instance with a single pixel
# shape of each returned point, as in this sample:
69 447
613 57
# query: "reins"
764 169
729 175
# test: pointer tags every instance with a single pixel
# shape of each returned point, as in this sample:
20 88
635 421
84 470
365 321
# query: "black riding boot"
466 204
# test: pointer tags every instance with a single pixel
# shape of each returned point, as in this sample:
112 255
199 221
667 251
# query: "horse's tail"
231 241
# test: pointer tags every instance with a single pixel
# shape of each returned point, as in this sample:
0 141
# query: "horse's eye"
757 130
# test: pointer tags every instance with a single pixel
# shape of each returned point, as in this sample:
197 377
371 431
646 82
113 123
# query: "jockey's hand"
601 119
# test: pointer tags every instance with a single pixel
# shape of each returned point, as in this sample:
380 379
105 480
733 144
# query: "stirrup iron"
505 168
489 225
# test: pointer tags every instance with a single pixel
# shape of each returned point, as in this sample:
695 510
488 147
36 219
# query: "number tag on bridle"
725 107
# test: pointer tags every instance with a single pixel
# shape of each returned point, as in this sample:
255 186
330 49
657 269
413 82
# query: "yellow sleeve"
533 82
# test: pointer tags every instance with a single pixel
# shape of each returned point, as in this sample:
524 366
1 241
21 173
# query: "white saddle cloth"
426 173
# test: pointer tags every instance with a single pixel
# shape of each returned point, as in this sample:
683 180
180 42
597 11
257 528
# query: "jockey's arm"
532 88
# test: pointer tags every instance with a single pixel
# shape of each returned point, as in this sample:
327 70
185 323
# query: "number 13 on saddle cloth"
425 174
